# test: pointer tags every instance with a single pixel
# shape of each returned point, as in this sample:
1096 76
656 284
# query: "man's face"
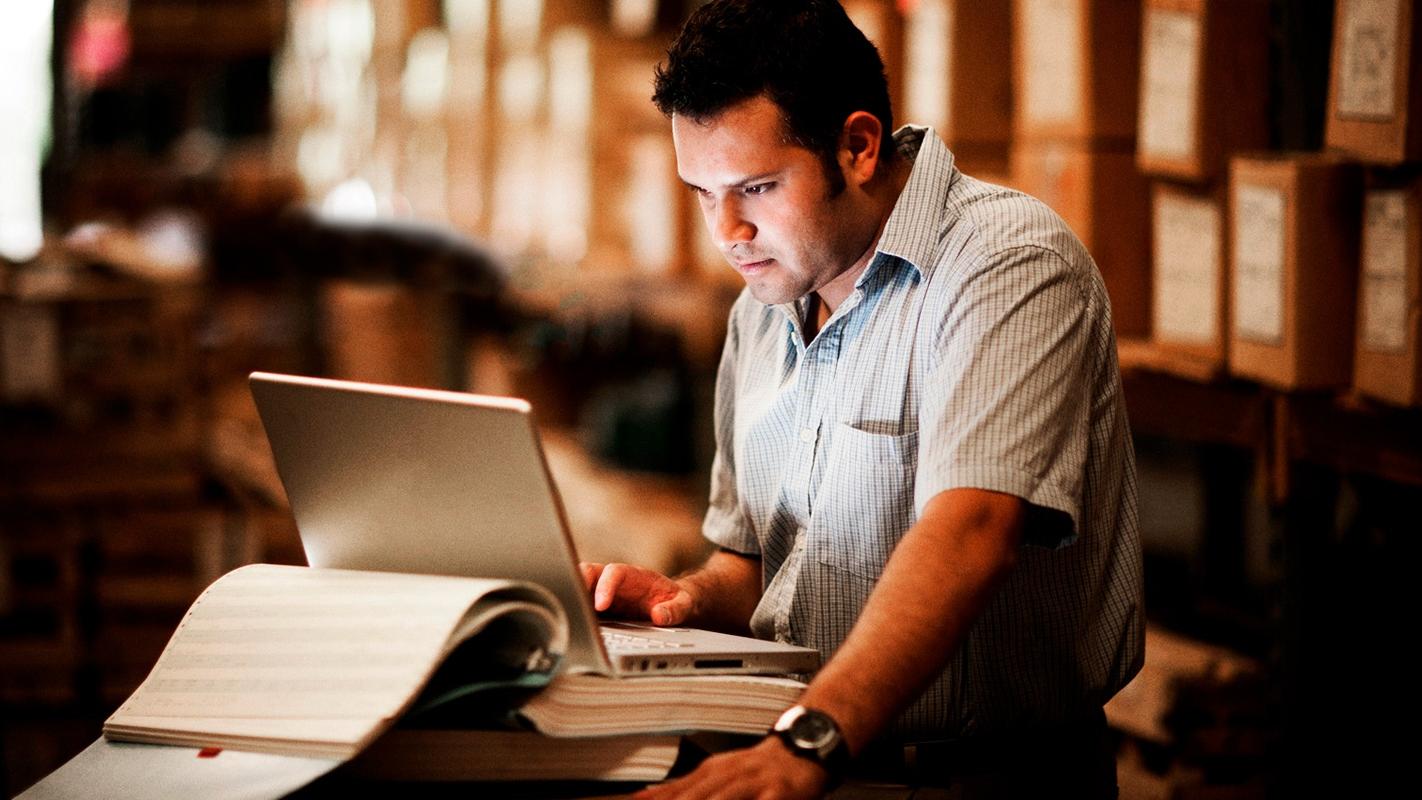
766 202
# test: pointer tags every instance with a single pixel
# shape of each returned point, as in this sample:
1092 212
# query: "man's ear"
859 146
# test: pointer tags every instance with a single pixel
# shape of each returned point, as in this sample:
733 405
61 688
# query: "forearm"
940 577
724 591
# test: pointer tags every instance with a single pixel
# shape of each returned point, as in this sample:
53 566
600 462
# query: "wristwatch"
814 735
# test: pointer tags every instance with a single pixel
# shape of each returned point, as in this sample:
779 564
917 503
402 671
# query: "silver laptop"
417 480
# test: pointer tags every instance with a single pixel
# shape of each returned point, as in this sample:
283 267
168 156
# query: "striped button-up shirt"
976 350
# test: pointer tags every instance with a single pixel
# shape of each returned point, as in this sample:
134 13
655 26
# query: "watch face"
812 730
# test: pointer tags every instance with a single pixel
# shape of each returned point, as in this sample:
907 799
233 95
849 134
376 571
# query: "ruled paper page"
273 652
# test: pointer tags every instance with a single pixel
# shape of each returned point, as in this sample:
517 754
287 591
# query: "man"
923 467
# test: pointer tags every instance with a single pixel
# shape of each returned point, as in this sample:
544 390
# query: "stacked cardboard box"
1075 91
623 214
1375 116
1187 129
40 607
1375 106
100 410
954 79
885 26
1294 250
468 129
101 379
540 179
1189 251
1388 361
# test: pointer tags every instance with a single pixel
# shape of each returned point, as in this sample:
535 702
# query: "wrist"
814 735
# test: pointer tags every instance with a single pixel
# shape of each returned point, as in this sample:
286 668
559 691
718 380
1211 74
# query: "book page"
480 755
1187 269
123 771
1052 49
272 652
596 705
1169 85
1384 323
928 81
1259 263
1367 59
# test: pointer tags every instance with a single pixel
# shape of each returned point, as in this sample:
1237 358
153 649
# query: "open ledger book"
322 662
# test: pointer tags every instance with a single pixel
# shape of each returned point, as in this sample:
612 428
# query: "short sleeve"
726 524
1006 408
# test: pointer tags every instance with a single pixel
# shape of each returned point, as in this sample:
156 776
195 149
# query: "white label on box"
1259 263
1367 60
1169 85
1384 323
29 353
1187 269
928 80
1052 51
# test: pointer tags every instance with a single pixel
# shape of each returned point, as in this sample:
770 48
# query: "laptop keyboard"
623 642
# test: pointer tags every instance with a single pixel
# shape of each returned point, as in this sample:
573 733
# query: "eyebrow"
747 181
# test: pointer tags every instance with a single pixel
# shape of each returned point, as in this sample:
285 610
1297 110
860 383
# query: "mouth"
752 267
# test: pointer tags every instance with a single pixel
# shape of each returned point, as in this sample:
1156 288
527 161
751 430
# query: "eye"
759 188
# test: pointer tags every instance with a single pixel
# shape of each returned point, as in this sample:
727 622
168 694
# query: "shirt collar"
915 224
912 231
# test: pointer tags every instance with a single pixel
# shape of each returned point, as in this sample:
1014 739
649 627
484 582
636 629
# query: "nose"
729 226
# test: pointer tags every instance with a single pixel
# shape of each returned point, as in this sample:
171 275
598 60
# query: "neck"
883 195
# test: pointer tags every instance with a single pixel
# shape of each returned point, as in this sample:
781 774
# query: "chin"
773 295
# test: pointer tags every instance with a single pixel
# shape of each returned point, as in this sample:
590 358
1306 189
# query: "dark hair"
805 56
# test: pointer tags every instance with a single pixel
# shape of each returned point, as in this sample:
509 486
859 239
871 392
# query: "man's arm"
720 594
939 578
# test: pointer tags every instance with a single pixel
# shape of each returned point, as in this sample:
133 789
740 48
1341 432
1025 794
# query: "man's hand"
636 592
765 771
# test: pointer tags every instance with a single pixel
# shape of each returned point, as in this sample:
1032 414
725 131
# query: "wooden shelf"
1341 432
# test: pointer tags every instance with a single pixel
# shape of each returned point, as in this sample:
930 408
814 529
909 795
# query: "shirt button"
807 435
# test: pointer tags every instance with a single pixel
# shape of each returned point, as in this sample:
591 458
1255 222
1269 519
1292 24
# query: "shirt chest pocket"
865 499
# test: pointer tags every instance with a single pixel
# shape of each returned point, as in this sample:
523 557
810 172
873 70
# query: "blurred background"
479 195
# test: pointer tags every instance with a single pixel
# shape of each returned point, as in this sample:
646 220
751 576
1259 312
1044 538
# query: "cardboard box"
1388 360
954 78
610 192
883 25
1189 302
1374 97
1076 65
1187 127
1106 202
1294 221
521 26
468 121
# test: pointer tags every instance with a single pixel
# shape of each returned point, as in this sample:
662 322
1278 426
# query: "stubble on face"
787 241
